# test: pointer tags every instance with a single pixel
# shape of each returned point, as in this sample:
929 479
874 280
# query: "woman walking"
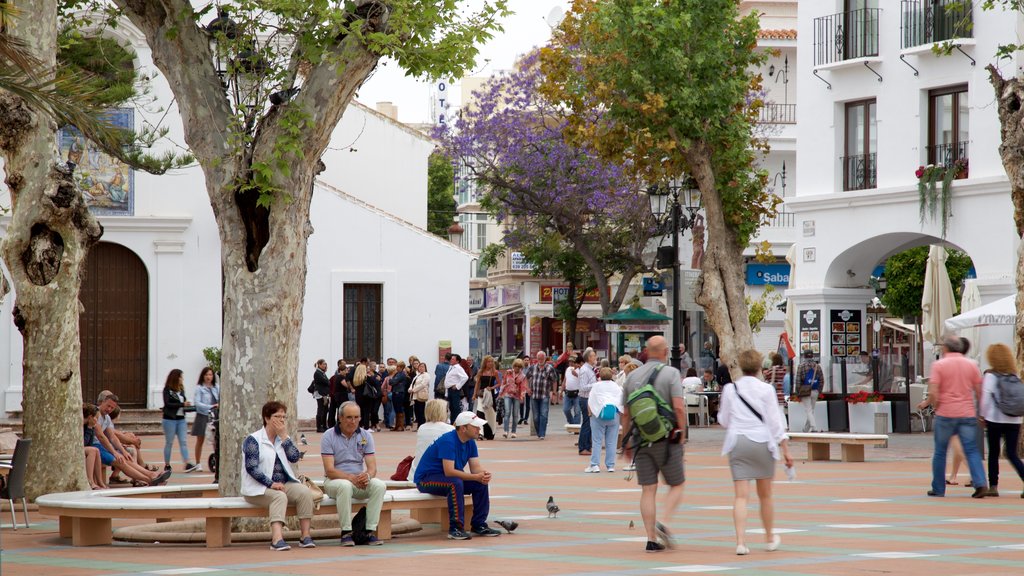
207 400
486 379
776 375
513 388
604 405
754 439
174 419
999 426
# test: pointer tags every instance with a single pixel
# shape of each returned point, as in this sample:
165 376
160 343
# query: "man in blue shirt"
440 472
440 371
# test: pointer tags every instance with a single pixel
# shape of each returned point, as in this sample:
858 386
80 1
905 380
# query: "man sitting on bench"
115 455
440 472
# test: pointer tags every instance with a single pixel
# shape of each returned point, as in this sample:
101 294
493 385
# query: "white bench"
818 444
86 517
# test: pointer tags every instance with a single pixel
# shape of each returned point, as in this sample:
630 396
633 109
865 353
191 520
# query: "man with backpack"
654 416
810 380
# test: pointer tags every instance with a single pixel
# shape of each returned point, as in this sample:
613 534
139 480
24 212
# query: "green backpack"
653 418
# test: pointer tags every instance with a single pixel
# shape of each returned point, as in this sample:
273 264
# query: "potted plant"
862 408
930 201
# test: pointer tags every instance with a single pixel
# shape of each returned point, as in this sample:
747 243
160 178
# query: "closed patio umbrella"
937 302
970 300
790 308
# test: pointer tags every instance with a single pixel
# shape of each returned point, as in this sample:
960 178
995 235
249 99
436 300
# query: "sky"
526 28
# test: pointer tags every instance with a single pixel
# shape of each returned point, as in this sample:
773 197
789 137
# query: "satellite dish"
555 17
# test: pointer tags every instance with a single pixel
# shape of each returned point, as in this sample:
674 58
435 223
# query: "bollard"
882 426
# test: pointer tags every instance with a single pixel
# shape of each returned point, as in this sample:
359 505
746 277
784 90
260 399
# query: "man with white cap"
440 472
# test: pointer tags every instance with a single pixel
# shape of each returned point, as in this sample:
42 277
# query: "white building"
875 104
378 284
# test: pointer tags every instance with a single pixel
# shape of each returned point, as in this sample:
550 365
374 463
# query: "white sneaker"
592 469
512 435
611 468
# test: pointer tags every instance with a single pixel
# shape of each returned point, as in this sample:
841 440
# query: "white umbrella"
970 300
999 313
937 303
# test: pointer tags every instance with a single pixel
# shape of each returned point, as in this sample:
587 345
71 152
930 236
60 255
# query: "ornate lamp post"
668 201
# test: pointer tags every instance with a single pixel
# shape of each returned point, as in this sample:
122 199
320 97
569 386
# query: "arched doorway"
114 325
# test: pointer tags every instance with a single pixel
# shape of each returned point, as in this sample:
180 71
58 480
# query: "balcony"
782 219
846 36
927 21
859 172
947 154
772 113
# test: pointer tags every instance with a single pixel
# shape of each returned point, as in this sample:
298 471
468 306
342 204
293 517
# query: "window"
948 121
362 321
861 145
861 28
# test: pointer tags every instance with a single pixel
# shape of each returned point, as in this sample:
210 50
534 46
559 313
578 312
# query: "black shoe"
935 494
484 530
167 467
456 534
980 492
655 546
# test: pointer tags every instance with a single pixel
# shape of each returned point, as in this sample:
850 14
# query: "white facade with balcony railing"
877 103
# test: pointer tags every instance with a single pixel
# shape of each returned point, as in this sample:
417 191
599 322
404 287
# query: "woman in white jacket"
268 479
605 405
754 438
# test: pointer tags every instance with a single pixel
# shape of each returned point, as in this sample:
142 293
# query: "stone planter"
797 417
862 416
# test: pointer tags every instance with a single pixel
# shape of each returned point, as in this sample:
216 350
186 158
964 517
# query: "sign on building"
519 263
477 299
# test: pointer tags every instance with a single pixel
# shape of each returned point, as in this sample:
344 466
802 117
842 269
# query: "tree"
258 131
904 275
51 229
676 79
544 188
440 185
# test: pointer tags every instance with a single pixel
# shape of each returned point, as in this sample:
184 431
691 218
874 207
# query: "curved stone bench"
852 444
87 516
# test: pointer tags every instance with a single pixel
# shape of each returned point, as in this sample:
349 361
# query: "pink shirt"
956 382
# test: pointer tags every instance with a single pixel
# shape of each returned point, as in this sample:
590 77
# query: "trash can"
882 426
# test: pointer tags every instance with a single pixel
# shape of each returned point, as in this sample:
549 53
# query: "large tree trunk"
1010 94
263 249
721 287
48 239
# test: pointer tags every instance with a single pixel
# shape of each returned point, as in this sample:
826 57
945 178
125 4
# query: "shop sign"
636 327
561 293
492 298
477 299
653 287
762 274
519 263
509 295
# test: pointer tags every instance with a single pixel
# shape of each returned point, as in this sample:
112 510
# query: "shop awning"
548 312
898 326
495 312
633 315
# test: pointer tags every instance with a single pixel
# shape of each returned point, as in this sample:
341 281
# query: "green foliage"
904 275
102 66
212 355
440 186
759 308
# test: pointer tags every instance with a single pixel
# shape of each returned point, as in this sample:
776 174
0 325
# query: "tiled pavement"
837 518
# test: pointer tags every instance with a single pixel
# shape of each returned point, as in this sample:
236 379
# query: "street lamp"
667 204
455 232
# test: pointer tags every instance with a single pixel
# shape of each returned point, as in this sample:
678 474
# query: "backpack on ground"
653 417
1009 396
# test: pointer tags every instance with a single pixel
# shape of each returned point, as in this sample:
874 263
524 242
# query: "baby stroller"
214 457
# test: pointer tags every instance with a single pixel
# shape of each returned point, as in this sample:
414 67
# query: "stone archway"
114 325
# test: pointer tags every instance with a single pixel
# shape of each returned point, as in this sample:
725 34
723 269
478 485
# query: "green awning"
636 316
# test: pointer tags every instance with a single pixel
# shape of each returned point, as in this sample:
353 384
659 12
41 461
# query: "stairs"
144 422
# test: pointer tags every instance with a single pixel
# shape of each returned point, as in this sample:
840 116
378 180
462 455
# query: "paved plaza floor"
836 518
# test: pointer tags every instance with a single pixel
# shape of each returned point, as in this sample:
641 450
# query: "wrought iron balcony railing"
859 172
947 154
772 113
927 21
845 36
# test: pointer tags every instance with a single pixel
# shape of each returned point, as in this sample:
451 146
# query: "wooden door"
114 325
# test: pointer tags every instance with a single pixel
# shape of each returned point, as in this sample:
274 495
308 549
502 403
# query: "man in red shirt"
953 391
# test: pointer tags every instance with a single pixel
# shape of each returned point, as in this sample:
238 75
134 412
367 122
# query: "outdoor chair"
15 487
917 394
697 405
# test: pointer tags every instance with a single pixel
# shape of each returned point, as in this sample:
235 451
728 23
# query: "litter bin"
882 426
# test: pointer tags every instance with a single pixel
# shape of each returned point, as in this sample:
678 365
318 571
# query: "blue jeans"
585 442
571 409
511 412
389 413
540 415
604 433
174 428
524 409
967 430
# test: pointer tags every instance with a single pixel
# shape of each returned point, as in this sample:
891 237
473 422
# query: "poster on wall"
106 183
536 325
443 347
810 332
846 336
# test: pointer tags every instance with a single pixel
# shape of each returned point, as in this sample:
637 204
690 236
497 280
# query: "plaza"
836 518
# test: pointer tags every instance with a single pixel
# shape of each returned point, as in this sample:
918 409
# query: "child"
93 465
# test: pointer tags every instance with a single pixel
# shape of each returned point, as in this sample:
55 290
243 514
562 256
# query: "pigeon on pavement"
552 507
508 525
302 440
630 524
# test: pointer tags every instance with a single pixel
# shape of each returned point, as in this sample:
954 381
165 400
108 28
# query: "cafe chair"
697 405
15 487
